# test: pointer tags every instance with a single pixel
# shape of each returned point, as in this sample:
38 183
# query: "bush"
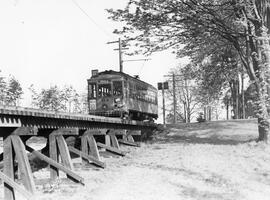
200 118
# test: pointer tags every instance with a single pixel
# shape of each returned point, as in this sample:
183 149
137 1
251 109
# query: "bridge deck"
27 117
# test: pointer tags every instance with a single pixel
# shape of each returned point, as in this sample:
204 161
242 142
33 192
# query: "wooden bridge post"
23 163
58 148
54 172
124 136
89 145
110 144
107 140
131 133
13 146
113 139
128 138
8 167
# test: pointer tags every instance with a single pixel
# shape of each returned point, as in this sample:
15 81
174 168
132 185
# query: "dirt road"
216 161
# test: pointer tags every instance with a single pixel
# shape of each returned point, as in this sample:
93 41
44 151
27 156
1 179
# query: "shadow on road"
215 133
214 140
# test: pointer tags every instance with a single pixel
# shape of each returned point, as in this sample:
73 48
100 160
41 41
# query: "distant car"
117 94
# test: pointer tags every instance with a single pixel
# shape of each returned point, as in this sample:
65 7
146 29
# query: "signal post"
162 86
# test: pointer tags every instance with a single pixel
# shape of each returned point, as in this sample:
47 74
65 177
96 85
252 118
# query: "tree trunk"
209 113
227 110
205 113
188 112
259 69
263 129
243 96
185 112
262 83
237 100
234 85
262 113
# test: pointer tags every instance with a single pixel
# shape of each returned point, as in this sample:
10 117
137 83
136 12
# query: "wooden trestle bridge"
17 125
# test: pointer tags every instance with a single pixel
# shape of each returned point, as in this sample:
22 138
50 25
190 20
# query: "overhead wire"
109 35
90 18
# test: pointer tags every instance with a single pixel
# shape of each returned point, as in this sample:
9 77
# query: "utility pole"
120 49
120 52
174 94
187 102
163 103
174 100
120 55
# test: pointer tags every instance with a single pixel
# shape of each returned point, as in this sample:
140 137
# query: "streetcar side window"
92 90
104 90
117 88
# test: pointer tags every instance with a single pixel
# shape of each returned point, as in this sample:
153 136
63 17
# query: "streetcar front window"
117 88
104 90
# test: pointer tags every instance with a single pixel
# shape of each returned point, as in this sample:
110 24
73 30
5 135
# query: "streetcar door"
92 96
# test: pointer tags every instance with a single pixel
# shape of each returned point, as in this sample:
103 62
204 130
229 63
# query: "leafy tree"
3 86
218 74
10 91
250 97
155 25
51 99
34 96
13 92
48 99
83 101
186 93
56 99
72 99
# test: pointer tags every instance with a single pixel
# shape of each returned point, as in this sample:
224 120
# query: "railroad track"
18 124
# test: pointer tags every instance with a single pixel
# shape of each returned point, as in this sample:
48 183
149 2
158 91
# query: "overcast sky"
48 42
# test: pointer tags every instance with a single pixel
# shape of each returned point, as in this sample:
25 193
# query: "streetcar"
116 94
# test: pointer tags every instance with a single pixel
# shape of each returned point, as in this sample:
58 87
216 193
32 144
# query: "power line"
93 21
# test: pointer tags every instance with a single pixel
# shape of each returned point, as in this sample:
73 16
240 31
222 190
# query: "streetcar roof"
111 72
